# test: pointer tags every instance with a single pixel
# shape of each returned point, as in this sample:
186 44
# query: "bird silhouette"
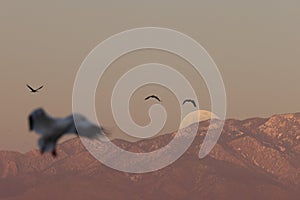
52 129
190 101
153 96
34 90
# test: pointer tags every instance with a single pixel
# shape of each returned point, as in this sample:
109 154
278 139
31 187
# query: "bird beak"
30 123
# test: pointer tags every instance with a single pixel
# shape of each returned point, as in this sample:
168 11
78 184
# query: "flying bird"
34 90
190 101
153 96
51 129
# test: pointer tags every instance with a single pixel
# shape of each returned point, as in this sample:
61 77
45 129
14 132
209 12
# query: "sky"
255 44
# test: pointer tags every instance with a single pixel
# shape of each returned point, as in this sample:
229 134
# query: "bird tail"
106 131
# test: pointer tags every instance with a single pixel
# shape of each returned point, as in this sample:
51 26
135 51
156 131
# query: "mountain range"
257 158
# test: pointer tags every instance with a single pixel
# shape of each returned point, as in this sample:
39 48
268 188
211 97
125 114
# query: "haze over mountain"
255 44
256 158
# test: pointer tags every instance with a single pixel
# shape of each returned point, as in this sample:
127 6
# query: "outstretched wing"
40 122
190 101
83 127
30 87
40 87
152 96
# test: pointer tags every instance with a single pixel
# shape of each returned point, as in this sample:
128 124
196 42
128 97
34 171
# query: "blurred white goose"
52 129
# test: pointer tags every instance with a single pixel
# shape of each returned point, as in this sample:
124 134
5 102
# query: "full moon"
197 116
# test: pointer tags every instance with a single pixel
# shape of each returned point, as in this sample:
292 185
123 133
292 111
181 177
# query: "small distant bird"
34 90
153 96
52 129
190 101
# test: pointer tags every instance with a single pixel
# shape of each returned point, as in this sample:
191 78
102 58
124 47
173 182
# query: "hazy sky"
255 44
